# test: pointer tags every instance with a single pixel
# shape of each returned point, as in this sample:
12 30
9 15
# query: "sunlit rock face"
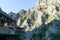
41 22
44 12
21 17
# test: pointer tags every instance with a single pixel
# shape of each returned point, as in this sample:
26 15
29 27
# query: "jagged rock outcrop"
41 20
13 15
43 10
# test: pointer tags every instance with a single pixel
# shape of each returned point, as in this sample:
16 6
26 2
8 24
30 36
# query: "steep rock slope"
43 16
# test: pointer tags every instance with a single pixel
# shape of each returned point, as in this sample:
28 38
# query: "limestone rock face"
41 22
44 12
21 13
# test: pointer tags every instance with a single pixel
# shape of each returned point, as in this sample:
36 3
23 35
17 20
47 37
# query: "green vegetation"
47 16
29 21
40 35
56 35
21 35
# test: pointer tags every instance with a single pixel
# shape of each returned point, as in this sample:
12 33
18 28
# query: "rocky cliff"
42 20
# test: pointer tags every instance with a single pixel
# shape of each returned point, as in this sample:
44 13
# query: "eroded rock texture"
42 20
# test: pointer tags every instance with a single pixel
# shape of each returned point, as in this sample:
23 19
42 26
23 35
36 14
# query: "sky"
16 5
